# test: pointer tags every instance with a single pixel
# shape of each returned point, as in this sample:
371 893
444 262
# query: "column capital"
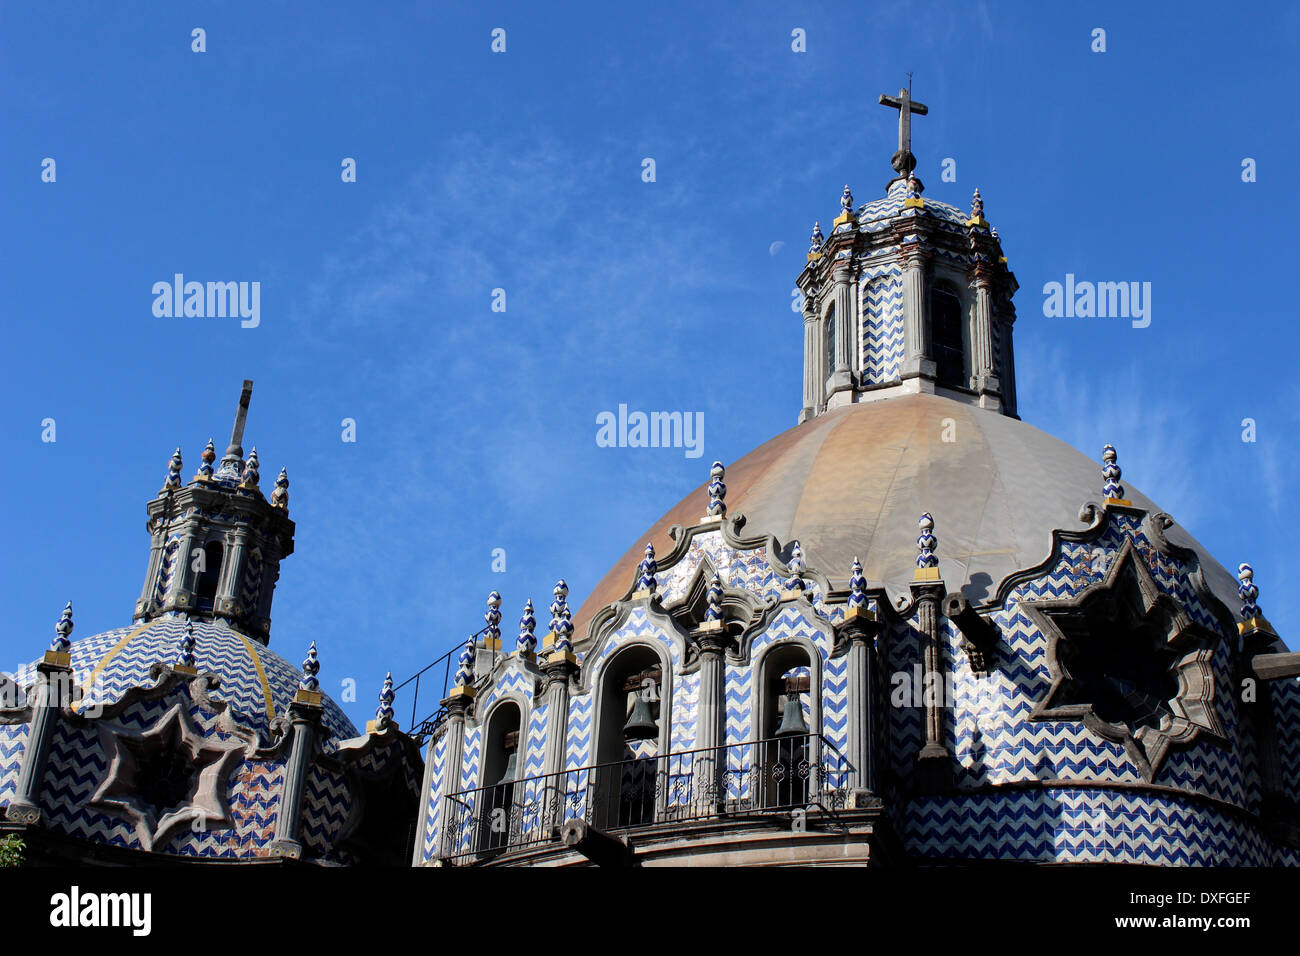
712 641
560 668
860 625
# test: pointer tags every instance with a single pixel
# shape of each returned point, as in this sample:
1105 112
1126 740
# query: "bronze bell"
512 768
792 722
641 724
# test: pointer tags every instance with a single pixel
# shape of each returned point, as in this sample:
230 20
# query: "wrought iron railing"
778 775
421 728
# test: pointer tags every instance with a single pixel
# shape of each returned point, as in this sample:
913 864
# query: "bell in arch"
641 724
512 759
792 722
512 768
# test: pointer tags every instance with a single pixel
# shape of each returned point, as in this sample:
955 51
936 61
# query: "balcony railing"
422 728
736 781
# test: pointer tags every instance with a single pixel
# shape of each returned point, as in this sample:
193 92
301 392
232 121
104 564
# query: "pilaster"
933 770
860 628
305 717
841 379
916 349
52 692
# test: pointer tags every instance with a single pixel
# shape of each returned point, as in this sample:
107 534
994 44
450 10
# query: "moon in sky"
774 248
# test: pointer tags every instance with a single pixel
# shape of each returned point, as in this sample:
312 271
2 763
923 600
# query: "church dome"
880 213
256 682
851 482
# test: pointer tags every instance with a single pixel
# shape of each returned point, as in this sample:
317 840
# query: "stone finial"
492 633
384 712
795 582
561 618
846 201
185 657
977 206
527 642
1248 592
252 471
310 668
561 592
564 636
926 542
465 664
646 570
717 491
280 496
208 457
61 643
173 481
816 240
713 599
857 587
1110 471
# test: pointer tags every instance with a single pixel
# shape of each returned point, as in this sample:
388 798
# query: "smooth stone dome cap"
854 481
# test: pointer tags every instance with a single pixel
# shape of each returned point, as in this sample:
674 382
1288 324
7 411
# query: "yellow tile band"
104 661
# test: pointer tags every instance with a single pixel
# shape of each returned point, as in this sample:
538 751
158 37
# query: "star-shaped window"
166 776
1128 661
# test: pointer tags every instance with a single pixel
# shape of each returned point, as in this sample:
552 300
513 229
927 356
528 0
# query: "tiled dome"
877 213
257 682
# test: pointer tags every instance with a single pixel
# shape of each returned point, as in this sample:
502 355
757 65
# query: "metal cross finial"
903 161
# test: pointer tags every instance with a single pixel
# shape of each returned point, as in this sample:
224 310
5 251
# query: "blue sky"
522 170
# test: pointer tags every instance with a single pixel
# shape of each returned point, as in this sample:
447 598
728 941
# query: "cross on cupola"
903 161
906 295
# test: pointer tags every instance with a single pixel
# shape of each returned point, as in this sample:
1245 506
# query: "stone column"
184 577
1008 378
232 574
916 321
151 573
814 378
986 379
560 668
710 729
860 628
53 690
305 714
933 770
841 379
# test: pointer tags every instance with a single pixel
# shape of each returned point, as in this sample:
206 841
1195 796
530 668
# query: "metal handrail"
421 729
752 778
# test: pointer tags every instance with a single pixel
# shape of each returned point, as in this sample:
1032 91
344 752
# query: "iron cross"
906 107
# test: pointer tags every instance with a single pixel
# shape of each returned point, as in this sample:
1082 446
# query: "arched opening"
502 764
828 357
947 338
205 588
787 751
631 728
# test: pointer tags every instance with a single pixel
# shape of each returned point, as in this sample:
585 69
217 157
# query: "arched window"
828 359
786 751
630 731
947 338
502 763
205 588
